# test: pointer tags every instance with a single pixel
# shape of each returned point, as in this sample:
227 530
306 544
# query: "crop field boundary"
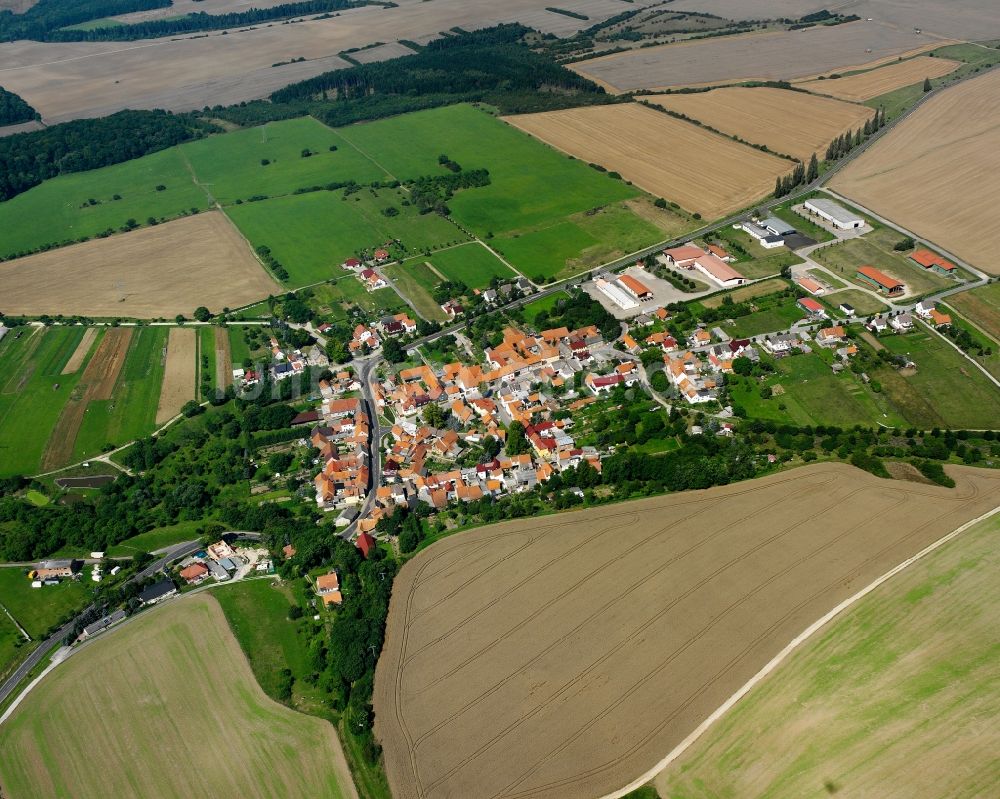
792 645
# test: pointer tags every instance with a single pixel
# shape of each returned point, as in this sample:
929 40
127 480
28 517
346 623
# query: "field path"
96 383
179 373
223 359
80 353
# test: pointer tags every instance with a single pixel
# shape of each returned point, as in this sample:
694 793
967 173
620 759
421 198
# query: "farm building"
764 237
685 255
718 271
811 307
809 285
720 253
635 288
778 227
880 280
616 294
933 261
846 309
835 214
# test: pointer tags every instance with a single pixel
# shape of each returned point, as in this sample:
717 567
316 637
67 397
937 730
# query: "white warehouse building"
834 213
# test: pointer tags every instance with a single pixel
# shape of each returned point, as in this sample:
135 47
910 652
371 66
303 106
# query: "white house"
902 322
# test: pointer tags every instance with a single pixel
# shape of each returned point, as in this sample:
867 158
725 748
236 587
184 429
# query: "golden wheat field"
866 85
164 270
681 162
793 123
565 656
938 172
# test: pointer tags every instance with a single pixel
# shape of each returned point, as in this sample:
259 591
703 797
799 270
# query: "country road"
38 655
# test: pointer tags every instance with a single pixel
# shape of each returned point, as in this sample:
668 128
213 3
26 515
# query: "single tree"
813 172
927 84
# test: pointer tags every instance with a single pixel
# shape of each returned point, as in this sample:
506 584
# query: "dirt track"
157 271
223 359
577 650
96 383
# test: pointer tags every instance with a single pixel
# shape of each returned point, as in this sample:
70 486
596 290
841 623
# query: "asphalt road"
174 553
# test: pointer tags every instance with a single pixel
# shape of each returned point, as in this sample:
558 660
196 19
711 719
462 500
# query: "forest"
47 16
14 110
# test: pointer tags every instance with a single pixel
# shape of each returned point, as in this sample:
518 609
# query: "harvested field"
579 649
66 80
381 53
778 55
960 162
80 353
179 691
223 359
792 123
859 88
179 373
862 706
164 270
96 383
700 170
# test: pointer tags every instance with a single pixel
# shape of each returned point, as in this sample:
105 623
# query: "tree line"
201 21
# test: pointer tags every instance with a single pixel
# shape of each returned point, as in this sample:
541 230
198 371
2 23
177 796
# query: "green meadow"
231 167
945 391
33 392
313 234
131 411
59 210
472 264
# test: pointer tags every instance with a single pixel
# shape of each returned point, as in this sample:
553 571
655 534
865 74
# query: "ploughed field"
772 55
937 178
165 707
565 656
